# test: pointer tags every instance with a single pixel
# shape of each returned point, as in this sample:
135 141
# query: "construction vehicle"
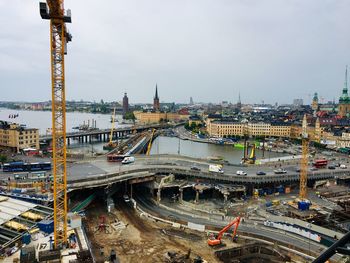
111 144
216 240
249 158
53 10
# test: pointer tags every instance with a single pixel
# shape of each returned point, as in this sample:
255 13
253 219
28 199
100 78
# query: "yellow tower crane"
53 10
111 144
304 161
149 147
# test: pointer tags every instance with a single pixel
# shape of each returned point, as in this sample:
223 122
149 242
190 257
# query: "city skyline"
192 49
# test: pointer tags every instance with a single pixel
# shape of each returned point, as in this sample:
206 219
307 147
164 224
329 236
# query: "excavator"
216 240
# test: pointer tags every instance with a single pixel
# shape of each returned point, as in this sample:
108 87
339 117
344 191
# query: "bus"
320 163
21 166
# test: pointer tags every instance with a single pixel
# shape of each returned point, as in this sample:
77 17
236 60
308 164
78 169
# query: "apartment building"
17 137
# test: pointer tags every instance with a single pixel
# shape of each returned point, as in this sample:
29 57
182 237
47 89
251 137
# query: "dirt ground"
142 240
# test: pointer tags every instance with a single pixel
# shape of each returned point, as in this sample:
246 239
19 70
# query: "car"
343 166
313 169
280 171
128 159
260 173
126 198
195 168
241 172
331 167
298 170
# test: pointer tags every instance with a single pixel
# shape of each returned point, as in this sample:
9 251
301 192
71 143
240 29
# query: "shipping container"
46 226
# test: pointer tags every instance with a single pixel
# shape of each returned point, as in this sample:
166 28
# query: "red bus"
320 163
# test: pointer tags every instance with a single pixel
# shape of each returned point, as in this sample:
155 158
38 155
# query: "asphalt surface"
100 167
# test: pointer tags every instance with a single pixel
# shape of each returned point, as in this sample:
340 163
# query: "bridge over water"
103 135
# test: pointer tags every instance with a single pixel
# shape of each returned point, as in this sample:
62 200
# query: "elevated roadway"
99 172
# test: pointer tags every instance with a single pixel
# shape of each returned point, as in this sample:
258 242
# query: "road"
99 168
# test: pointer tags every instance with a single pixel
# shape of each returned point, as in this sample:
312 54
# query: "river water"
161 145
42 119
173 145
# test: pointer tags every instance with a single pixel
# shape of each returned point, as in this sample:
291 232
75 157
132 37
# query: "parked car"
260 173
195 168
241 172
313 169
331 167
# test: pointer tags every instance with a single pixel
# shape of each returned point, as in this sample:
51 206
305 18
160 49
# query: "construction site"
130 206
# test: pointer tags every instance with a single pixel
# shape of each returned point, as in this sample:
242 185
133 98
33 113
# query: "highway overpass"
99 172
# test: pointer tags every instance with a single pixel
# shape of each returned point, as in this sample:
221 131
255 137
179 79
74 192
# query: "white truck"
128 159
216 168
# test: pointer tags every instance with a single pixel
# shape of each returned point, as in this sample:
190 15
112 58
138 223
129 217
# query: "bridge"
99 172
103 135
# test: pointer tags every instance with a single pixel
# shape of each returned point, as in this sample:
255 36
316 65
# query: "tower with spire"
239 103
314 104
125 104
156 104
344 100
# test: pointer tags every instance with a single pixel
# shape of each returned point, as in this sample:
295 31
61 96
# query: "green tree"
193 126
3 158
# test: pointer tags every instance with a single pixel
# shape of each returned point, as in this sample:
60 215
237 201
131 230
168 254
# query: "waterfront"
162 145
42 119
172 145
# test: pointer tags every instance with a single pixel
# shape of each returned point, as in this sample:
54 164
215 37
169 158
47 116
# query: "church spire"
346 79
156 96
156 104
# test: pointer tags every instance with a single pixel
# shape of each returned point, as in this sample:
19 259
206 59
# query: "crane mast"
59 37
304 161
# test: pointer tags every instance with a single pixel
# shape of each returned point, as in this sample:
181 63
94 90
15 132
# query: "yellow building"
156 117
17 137
259 129
221 129
280 130
224 128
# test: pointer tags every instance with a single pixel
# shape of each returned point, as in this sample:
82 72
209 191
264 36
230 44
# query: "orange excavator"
216 240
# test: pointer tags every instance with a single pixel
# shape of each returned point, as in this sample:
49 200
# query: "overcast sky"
268 50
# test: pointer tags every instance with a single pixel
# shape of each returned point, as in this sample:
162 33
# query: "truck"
216 168
128 159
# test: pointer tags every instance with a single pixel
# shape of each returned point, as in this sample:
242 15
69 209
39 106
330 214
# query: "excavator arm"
217 240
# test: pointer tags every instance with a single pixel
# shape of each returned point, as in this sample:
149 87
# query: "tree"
130 116
3 158
193 125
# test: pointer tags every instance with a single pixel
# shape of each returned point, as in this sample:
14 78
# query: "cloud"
268 50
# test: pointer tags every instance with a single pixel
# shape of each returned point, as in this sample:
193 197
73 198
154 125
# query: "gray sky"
269 50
